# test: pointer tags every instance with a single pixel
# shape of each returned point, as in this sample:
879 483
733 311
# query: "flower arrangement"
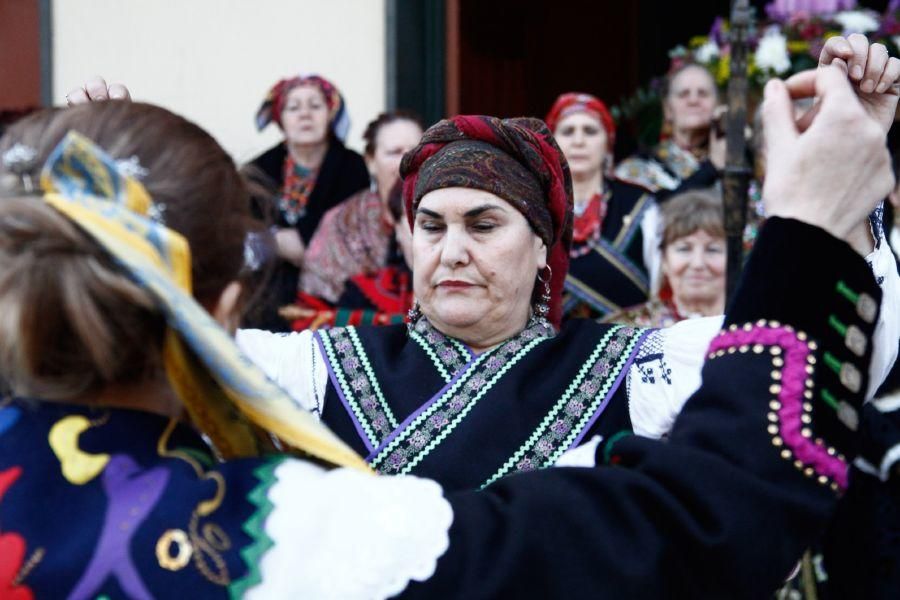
788 39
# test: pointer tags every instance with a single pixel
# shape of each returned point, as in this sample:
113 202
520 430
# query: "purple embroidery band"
402 427
335 383
790 396
619 379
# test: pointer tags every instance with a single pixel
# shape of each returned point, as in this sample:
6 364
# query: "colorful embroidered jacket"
113 503
608 273
423 403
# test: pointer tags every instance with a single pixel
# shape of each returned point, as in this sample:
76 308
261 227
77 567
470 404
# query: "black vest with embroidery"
422 403
611 274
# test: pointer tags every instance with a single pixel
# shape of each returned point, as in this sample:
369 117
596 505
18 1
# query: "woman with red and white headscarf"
303 177
610 251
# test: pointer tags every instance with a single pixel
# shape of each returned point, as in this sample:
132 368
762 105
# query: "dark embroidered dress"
607 271
422 403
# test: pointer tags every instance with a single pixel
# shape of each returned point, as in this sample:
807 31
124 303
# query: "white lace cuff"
345 534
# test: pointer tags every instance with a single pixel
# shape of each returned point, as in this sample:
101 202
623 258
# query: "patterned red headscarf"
270 110
526 168
574 102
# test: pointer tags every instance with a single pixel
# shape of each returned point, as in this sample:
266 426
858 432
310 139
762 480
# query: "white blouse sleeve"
292 360
358 536
651 234
887 331
666 371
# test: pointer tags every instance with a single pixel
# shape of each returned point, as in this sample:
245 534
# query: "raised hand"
832 172
96 89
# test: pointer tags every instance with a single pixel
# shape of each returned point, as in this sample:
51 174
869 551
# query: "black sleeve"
726 506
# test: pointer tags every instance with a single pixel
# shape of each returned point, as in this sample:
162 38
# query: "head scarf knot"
271 107
515 159
575 102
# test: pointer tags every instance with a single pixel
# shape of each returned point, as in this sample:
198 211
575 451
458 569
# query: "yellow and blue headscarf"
226 396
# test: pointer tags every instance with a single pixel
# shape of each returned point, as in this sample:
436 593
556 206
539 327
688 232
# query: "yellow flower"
698 40
798 46
723 72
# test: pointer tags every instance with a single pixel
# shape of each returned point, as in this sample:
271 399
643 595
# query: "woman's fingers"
77 96
857 63
876 62
96 89
889 77
836 48
117 91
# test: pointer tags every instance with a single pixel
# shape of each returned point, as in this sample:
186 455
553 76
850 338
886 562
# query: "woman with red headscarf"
301 178
486 380
609 249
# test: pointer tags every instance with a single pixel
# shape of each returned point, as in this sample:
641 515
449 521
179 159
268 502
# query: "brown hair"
370 135
696 210
70 319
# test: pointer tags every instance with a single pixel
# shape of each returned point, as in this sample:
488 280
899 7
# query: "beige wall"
213 60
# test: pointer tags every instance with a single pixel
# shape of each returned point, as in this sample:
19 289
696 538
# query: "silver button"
866 308
851 378
848 416
856 340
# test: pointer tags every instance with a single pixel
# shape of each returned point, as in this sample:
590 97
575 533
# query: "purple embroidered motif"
132 494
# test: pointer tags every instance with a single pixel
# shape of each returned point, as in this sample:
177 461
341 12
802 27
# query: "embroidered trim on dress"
448 355
255 528
581 404
356 383
426 431
790 418
626 234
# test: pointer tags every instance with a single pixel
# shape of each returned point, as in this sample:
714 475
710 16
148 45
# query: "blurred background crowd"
633 92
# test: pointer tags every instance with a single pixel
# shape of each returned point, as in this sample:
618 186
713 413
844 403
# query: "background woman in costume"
174 521
692 264
300 179
355 238
608 259
694 151
490 202
380 297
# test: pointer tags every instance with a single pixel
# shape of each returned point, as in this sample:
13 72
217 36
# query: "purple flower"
514 346
447 355
368 402
477 382
350 363
343 346
601 368
457 403
544 447
589 387
438 420
380 421
560 427
494 363
397 459
526 464
359 383
574 408
419 439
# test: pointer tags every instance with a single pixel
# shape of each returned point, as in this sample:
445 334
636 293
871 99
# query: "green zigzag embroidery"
255 528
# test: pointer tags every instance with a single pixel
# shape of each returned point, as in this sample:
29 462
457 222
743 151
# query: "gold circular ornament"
179 540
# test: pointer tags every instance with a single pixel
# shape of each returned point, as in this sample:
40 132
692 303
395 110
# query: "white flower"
896 40
772 53
857 21
706 53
